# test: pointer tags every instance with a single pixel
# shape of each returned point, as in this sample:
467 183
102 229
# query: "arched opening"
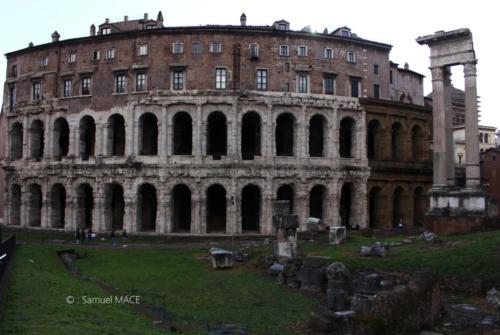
148 135
419 207
116 135
216 209
183 134
317 136
375 207
114 207
317 201
346 139
250 208
397 207
36 140
87 137
35 205
217 135
15 205
285 192
85 205
285 130
250 136
397 141
181 208
57 206
146 208
16 141
373 139
346 205
61 138
417 143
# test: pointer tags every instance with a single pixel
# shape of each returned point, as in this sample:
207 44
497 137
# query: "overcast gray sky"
394 22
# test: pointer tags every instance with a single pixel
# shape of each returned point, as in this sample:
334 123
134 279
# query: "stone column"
360 205
25 207
267 139
232 200
197 135
439 128
301 205
46 212
162 224
130 215
448 110
98 217
26 138
334 200
196 224
267 212
48 137
300 136
471 127
163 137
99 140
69 224
130 136
106 143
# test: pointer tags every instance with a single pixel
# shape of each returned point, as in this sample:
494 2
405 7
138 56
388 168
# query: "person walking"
89 235
82 235
77 236
113 238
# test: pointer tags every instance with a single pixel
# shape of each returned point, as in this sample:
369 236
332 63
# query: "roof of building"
457 96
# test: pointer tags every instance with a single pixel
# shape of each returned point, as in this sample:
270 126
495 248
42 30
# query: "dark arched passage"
36 140
397 207
317 201
419 207
285 132
146 208
35 205
375 207
286 192
183 134
250 208
181 208
397 145
148 135
85 206
250 136
217 135
317 126
61 138
16 141
373 140
15 205
216 209
346 137
114 207
346 205
87 137
57 206
116 135
417 144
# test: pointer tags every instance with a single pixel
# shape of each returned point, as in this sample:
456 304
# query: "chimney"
407 66
55 36
145 16
92 30
125 18
243 19
159 18
106 21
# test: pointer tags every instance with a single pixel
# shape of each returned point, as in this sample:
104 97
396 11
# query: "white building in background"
486 140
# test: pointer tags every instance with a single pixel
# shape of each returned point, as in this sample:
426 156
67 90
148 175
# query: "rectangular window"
328 53
220 78
13 73
96 55
284 50
376 91
302 51
142 50
286 87
254 50
12 96
37 90
375 69
303 83
178 80
287 67
262 80
44 61
67 88
329 84
105 31
355 83
196 46
390 77
121 84
110 53
216 47
72 57
177 48
86 84
351 57
140 82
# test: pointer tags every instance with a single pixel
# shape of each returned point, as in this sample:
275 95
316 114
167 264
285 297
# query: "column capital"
470 69
437 73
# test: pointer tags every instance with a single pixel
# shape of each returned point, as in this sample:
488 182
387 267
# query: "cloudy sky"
394 22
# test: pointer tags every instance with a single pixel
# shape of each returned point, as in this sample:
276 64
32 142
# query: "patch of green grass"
36 301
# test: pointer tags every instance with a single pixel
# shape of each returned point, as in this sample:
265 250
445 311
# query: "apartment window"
140 82
329 84
44 61
282 26
254 50
351 57
72 57
376 91
345 32
390 77
86 83
121 83
286 87
67 88
178 80
302 51
110 53
355 86
302 83
216 47
177 48
13 72
96 55
142 50
12 96
284 50
375 69
262 80
220 78
287 67
328 53
37 90
105 31
150 26
486 138
196 46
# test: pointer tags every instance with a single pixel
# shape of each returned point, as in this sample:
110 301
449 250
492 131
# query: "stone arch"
250 136
57 206
285 134
148 135
146 207
116 135
35 202
317 132
216 135
61 138
114 202
84 206
374 140
419 207
287 192
346 204
86 137
346 137
375 208
37 140
15 205
16 141
317 201
250 208
181 208
417 143
182 134
397 141
397 207
216 208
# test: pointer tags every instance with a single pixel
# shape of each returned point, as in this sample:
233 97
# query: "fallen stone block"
221 259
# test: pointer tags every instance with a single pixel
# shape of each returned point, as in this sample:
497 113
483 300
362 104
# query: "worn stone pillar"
440 177
25 208
267 213
163 137
69 224
129 221
301 205
46 212
232 200
448 125
130 138
360 204
163 225
334 201
471 127
48 137
197 135
300 136
196 224
26 138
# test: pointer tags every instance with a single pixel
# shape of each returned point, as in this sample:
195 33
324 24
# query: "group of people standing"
81 235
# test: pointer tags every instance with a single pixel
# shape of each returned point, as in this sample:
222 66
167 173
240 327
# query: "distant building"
490 172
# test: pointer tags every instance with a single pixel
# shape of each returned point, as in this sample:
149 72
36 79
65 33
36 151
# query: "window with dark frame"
375 69
261 80
121 83
96 55
110 53
44 61
140 82
177 48
72 57
178 80
67 88
303 84
142 50
302 51
12 96
355 81
287 67
105 31
86 83
254 50
390 77
329 84
284 50
328 53
196 46
376 91
13 72
351 57
216 47
37 90
220 78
